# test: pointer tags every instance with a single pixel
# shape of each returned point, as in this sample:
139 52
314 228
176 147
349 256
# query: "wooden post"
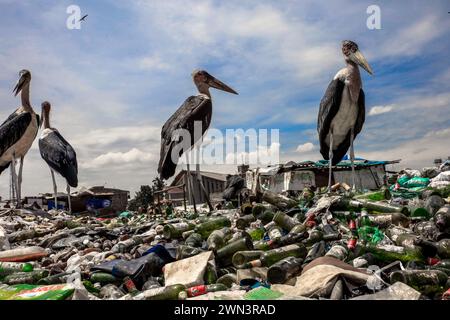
184 196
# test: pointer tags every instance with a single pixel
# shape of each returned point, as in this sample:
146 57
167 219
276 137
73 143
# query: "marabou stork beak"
359 59
19 85
215 83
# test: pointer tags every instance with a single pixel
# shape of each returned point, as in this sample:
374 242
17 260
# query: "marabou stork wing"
343 147
60 156
195 108
361 113
329 106
12 130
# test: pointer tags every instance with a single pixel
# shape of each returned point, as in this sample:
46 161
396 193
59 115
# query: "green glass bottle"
240 258
314 236
299 228
184 252
284 269
194 240
228 279
442 219
270 257
210 276
284 221
386 254
225 254
338 251
175 230
163 293
218 238
375 206
55 279
244 221
103 278
207 227
290 238
419 278
31 277
257 210
261 245
414 244
266 216
364 220
7 268
443 248
385 220
274 232
257 233
317 250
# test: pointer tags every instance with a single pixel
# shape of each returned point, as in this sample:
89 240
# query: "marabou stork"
58 153
18 132
195 109
342 109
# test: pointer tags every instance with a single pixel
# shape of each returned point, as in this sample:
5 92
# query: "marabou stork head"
352 53
45 112
25 78
202 78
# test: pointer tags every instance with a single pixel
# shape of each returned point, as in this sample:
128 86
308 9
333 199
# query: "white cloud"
153 63
306 147
111 159
380 110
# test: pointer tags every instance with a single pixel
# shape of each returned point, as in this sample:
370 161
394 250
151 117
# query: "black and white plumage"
329 107
342 109
57 153
18 132
195 109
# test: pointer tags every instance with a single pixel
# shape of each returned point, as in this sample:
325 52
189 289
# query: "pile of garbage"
319 245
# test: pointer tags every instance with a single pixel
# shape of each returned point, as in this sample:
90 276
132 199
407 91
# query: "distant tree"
158 184
143 198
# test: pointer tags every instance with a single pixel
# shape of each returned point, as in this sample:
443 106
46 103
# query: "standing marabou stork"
342 109
58 153
18 132
195 109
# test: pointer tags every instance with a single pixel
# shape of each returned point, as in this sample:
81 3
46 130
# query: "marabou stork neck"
18 132
195 109
59 155
342 109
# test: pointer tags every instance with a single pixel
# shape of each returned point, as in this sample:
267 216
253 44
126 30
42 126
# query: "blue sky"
113 83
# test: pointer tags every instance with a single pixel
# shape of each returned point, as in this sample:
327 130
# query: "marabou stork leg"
330 157
200 181
55 189
14 177
190 183
68 198
19 182
352 159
